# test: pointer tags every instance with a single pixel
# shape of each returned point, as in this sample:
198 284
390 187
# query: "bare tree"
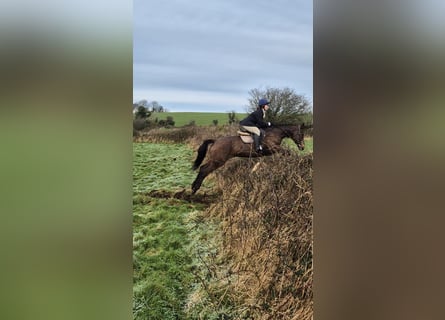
142 113
156 107
143 103
285 106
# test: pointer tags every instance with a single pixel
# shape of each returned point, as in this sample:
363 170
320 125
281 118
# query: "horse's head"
298 138
297 135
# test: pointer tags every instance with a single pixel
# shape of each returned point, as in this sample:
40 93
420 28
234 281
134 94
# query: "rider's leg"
256 140
256 133
261 139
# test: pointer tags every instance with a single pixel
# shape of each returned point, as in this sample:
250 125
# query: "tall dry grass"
192 135
264 266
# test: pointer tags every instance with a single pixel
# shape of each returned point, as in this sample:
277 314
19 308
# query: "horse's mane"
284 125
287 125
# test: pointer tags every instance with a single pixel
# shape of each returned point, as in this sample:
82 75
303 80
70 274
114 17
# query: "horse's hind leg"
204 171
197 183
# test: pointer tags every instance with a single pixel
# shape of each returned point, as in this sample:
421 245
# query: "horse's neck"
283 132
277 135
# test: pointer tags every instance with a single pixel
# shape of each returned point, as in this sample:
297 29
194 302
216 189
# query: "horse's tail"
202 150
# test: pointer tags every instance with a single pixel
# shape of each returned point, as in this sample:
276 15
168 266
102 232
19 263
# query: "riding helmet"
263 102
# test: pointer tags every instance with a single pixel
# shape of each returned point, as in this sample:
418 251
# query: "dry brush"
264 266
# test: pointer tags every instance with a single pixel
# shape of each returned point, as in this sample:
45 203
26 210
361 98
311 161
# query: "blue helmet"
263 102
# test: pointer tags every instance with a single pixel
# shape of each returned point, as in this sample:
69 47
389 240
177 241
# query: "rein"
286 135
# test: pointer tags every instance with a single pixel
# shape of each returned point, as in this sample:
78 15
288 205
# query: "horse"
224 148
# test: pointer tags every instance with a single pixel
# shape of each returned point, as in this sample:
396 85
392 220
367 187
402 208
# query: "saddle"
245 136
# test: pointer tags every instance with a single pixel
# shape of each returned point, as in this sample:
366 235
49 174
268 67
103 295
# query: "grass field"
164 231
200 118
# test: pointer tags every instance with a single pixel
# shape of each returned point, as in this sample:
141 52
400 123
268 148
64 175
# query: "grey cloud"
223 46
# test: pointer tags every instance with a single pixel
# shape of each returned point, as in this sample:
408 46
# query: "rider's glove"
269 124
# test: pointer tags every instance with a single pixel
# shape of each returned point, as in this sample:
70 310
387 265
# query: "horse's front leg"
275 149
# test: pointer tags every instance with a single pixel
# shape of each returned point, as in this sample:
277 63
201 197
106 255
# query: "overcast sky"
205 55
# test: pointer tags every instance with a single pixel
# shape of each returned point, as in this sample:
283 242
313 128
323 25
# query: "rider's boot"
256 140
261 139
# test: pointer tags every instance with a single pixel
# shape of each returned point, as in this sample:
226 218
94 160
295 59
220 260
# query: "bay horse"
222 149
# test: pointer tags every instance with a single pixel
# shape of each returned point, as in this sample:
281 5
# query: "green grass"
200 118
162 234
162 262
162 167
308 145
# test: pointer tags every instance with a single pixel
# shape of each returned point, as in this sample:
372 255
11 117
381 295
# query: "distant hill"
200 118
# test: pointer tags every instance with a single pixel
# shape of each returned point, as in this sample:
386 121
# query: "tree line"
286 107
148 107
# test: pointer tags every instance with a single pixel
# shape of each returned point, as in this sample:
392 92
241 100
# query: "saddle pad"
246 139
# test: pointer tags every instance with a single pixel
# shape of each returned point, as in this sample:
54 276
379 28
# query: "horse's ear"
304 126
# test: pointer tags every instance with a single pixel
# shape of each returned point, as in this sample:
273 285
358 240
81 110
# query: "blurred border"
65 131
378 186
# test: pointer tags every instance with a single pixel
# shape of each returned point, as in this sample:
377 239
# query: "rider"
254 123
